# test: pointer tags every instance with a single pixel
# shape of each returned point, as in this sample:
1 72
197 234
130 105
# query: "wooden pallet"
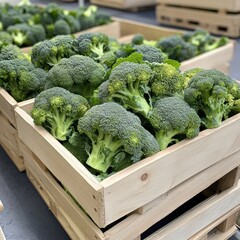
132 5
8 132
153 177
218 21
201 219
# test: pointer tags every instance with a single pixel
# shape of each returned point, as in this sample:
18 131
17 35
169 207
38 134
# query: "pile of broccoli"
26 24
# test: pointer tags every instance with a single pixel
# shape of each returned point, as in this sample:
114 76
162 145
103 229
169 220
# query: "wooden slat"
198 218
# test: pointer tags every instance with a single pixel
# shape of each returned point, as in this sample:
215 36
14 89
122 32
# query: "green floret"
139 39
73 23
93 45
87 16
78 74
5 37
26 35
113 130
167 80
128 85
203 40
176 48
61 27
171 117
150 53
58 110
49 52
21 79
9 52
190 73
211 93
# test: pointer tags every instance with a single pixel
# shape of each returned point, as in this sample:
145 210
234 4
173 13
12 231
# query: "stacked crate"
219 17
2 237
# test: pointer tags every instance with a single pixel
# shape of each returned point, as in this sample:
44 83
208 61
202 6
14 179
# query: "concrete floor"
26 217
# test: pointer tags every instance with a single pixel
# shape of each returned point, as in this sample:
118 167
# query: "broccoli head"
58 110
49 52
171 117
91 44
26 35
189 74
139 39
78 74
61 27
114 133
176 48
5 37
128 85
211 93
150 53
21 79
167 80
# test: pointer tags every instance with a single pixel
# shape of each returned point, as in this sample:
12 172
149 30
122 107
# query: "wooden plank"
228 223
2 237
223 236
123 4
200 217
230 5
204 232
171 200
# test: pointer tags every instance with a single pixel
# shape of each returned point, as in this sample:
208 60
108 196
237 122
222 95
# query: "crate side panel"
66 168
171 200
158 174
200 217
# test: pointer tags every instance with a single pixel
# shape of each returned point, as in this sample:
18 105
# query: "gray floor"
26 217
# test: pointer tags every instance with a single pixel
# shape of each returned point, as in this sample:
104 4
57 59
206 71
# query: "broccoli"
172 116
150 53
76 144
21 79
113 130
108 59
203 40
139 39
5 37
26 35
49 52
78 74
58 110
128 85
9 52
167 80
87 16
73 23
190 73
91 44
177 48
211 93
61 27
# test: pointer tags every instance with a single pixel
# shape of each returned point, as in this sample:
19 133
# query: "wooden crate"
8 132
222 205
152 177
133 5
217 21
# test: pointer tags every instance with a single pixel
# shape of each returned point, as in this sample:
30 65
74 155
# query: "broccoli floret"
73 23
91 44
108 59
61 27
21 79
172 116
150 53
128 85
113 130
139 39
203 40
78 74
9 51
177 48
87 17
5 37
190 73
211 93
58 110
167 80
49 52
26 35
